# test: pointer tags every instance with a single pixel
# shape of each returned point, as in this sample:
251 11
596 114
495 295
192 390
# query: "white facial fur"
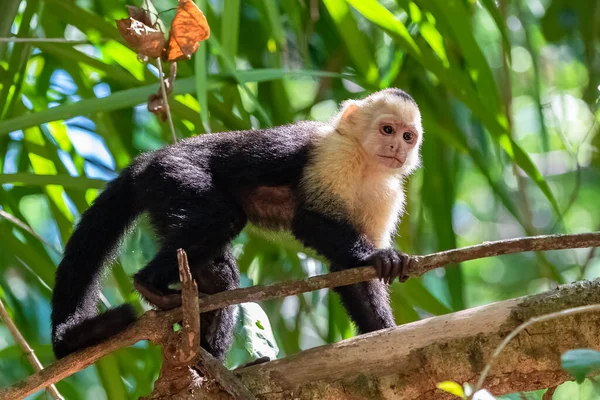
388 126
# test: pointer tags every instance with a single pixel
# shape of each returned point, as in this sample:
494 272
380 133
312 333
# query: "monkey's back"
240 159
260 168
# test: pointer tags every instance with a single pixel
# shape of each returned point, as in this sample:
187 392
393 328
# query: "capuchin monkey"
336 186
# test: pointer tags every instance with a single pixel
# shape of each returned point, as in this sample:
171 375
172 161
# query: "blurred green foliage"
509 97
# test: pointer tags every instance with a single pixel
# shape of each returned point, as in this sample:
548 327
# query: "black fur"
367 302
402 94
76 291
192 192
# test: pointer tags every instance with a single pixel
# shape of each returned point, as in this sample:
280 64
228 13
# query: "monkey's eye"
408 136
387 129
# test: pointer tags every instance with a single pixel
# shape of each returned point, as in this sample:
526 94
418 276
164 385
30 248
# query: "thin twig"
163 92
151 325
549 393
525 207
16 221
29 353
214 368
522 327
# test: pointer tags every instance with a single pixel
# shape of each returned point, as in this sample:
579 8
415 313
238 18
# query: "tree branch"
523 327
188 341
29 353
153 325
182 354
225 377
406 362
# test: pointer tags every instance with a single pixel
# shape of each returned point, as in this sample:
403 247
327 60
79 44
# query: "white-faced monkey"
336 186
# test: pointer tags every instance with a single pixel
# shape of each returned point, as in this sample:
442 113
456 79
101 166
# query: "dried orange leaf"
189 27
145 40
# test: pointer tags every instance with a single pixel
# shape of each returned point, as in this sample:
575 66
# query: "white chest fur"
378 204
373 199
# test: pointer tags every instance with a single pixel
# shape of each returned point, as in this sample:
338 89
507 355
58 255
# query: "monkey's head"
387 124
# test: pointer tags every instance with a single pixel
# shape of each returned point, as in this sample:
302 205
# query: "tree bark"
408 361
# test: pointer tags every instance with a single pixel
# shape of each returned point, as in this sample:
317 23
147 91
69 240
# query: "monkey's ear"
348 109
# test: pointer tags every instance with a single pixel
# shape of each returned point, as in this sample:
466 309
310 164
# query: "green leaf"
11 82
118 100
67 53
274 21
459 83
355 40
379 15
110 376
442 177
580 362
38 261
403 310
446 13
131 97
230 29
271 74
67 181
9 11
490 6
230 67
254 331
525 162
87 22
201 71
422 298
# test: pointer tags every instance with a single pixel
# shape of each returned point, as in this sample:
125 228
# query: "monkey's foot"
389 264
164 301
260 360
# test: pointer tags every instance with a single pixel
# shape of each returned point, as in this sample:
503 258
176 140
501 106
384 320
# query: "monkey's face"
388 128
392 141
392 134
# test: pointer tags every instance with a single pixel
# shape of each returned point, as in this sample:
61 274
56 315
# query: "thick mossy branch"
155 325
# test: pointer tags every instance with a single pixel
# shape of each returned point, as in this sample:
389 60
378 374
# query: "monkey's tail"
75 323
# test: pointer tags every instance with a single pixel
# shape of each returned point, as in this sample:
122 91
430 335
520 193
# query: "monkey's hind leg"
217 276
368 304
202 225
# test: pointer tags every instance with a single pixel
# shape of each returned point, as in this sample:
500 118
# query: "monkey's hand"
389 264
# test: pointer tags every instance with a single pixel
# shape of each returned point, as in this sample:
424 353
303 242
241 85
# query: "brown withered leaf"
145 40
156 106
189 27
141 15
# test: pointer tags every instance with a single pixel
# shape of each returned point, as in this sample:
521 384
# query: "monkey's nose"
391 147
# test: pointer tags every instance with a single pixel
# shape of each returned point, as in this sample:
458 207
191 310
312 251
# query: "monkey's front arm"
367 302
342 244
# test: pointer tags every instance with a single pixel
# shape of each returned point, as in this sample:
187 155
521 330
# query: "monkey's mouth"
392 158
